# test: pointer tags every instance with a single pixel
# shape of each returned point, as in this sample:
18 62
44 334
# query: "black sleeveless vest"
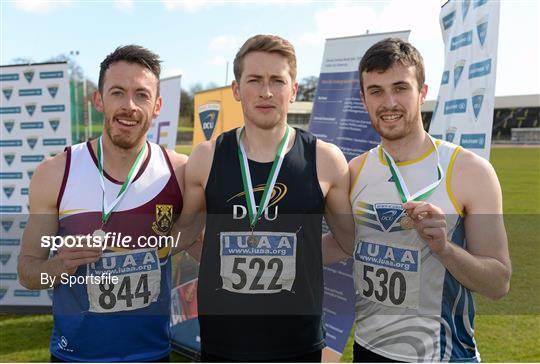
260 322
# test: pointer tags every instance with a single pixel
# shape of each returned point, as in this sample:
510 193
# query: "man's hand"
69 259
430 222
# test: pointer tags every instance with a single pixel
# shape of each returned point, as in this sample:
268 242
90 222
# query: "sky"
196 38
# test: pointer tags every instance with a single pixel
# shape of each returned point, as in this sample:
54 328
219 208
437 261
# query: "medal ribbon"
254 213
402 189
106 208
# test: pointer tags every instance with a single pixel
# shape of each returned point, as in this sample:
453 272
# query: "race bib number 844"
264 263
139 276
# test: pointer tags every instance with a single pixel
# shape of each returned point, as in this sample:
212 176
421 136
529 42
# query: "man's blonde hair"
265 43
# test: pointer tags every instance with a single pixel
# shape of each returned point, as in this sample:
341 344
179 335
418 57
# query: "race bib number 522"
262 263
139 278
388 274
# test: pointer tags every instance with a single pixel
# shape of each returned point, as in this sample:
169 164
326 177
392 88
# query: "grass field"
506 331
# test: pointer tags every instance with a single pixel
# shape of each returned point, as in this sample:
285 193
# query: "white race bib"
266 266
139 277
388 274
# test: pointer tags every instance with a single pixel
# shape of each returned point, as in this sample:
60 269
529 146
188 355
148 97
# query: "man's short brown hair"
385 54
265 43
131 54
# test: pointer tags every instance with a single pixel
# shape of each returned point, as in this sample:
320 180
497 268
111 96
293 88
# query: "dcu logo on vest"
388 213
208 114
271 212
164 216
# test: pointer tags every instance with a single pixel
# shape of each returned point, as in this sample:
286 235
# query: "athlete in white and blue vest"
123 186
429 228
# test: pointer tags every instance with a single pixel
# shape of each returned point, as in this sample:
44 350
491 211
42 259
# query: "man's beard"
120 140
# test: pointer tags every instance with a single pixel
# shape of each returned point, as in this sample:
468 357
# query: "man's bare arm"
192 218
484 266
43 221
333 174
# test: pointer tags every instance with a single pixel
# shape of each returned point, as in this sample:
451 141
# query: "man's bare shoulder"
356 162
468 166
329 153
475 183
200 163
177 159
46 182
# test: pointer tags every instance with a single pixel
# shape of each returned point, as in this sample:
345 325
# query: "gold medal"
406 222
252 240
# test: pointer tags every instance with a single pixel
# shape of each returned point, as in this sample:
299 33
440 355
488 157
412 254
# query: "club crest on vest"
164 216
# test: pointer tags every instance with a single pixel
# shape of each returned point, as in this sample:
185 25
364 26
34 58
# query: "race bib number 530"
139 277
388 274
264 263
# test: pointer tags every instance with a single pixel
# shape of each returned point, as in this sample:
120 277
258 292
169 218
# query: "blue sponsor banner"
32 125
480 69
473 141
11 175
24 191
10 110
445 77
22 224
51 74
436 136
10 242
32 158
462 40
339 299
448 20
25 293
457 106
387 256
269 244
9 77
30 92
53 108
10 276
11 208
478 3
339 116
11 143
58 141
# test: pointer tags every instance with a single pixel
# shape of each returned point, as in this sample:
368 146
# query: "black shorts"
314 357
363 355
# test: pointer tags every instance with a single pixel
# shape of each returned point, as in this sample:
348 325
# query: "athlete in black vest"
264 188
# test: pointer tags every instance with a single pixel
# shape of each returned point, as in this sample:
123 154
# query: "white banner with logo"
164 127
35 123
463 112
